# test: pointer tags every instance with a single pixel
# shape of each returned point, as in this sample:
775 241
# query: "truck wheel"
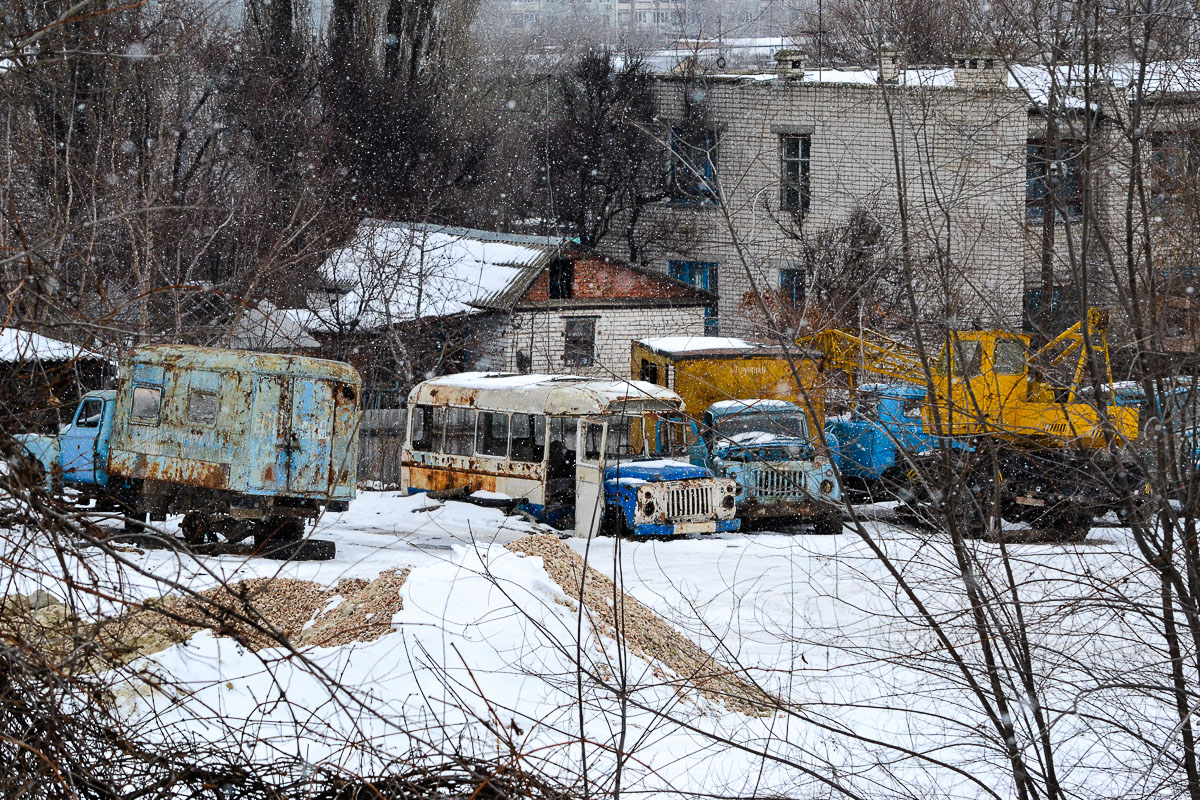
197 528
1073 527
827 524
967 519
277 530
302 550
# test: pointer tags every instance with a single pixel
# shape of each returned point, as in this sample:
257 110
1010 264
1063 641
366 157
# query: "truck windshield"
761 427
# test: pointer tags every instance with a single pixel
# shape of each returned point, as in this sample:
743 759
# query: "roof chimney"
980 71
789 64
889 64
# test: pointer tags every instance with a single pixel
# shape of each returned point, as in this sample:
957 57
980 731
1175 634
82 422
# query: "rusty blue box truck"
241 443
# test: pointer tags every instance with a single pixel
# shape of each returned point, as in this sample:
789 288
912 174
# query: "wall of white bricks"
542 335
960 155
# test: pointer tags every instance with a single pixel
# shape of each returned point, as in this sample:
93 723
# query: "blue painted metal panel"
716 526
308 443
654 471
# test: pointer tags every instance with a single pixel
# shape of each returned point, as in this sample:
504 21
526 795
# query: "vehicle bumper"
752 508
684 528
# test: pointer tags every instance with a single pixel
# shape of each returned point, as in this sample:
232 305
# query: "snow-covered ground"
486 654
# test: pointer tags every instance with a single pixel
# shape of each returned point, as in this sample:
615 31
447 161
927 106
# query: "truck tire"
277 530
827 524
302 550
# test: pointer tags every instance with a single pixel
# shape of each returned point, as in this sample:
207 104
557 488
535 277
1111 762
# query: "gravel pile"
259 613
647 635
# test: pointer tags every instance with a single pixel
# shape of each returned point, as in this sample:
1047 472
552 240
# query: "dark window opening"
427 424
1052 180
562 279
491 437
649 371
528 438
791 284
795 153
702 275
579 346
693 174
1174 162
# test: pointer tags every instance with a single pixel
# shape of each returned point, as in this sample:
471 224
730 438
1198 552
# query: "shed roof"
18 345
541 394
399 271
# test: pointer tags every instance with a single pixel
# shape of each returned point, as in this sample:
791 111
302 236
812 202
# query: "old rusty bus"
569 450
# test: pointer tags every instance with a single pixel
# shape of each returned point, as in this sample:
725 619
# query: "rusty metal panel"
266 448
309 445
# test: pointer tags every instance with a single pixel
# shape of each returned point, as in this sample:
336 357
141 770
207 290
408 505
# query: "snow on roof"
397 271
17 345
539 394
760 404
266 327
692 344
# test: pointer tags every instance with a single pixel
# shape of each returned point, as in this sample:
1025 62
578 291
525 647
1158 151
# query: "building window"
694 164
791 286
562 279
579 347
1052 180
702 275
794 188
649 371
1174 162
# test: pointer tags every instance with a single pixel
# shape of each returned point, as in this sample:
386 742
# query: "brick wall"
962 165
597 278
541 334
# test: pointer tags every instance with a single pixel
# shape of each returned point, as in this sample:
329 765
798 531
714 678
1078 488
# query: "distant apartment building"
761 165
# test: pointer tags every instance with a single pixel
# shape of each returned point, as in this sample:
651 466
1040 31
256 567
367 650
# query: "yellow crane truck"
1008 434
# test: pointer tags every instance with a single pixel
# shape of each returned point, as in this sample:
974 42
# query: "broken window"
794 182
147 404
491 437
579 346
649 371
1052 180
202 407
90 413
528 437
593 435
460 431
791 285
693 175
427 422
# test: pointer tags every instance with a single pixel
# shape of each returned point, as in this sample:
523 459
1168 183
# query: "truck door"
269 434
80 442
589 477
311 448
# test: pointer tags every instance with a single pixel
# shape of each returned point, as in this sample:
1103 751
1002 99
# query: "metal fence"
380 438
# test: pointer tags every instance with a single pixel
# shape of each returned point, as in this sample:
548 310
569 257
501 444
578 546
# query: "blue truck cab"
884 421
222 436
782 472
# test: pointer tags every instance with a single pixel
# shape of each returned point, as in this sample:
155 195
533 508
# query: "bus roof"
224 360
543 394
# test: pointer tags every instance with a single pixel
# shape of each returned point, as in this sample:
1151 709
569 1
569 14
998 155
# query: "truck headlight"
727 501
826 486
648 508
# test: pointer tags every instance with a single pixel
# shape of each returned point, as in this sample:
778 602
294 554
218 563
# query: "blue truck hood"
656 470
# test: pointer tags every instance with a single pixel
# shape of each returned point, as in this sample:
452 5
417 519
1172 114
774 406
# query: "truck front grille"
776 483
689 501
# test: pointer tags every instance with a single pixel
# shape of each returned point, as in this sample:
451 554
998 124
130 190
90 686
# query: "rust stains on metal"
188 472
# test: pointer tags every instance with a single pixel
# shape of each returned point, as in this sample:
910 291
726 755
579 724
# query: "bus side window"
427 425
528 438
561 457
460 431
491 438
